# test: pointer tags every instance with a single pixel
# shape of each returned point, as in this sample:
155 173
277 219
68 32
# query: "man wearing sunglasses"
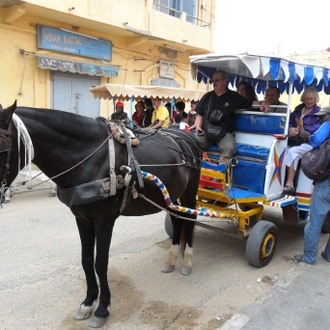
215 123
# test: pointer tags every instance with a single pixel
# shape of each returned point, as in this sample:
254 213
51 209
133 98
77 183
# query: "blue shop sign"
72 43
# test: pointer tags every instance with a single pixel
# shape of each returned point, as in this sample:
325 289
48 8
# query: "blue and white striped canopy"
263 71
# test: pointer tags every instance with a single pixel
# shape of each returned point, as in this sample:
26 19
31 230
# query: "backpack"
315 163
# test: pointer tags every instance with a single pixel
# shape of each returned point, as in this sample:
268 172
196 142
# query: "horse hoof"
167 268
84 312
97 322
185 271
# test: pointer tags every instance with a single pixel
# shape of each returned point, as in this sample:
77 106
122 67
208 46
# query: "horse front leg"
87 238
174 250
104 229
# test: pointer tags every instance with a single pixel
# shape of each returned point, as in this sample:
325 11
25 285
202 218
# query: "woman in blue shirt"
320 204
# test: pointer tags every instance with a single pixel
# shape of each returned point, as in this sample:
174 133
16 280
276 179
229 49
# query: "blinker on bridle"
5 146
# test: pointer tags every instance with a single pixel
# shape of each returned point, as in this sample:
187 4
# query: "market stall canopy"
263 71
125 92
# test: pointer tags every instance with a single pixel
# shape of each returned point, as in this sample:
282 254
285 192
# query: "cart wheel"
326 225
261 243
168 225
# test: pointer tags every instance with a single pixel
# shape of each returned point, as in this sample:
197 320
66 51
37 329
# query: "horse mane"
62 121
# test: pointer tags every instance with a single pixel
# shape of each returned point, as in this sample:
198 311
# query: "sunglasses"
212 81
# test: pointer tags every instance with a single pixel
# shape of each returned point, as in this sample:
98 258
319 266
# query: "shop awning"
125 92
76 66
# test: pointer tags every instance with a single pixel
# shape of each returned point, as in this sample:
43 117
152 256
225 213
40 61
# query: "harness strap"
133 162
112 161
192 161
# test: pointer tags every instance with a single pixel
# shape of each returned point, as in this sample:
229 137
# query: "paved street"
42 282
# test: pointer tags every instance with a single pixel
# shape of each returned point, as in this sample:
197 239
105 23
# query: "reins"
134 162
167 133
68 170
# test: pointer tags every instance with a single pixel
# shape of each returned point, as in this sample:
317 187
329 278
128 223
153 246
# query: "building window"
176 7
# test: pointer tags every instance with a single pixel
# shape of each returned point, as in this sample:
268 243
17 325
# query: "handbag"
315 163
296 140
214 133
214 129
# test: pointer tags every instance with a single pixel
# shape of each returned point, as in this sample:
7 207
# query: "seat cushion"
249 151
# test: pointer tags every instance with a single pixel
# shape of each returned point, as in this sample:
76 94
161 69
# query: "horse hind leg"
174 250
186 267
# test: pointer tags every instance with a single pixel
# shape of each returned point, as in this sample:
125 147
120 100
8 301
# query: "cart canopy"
263 71
126 92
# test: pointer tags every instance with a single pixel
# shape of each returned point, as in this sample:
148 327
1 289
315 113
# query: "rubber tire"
260 232
168 225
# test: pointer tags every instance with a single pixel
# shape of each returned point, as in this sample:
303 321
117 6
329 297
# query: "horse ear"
7 113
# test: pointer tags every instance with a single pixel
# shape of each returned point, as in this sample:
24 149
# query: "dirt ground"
42 282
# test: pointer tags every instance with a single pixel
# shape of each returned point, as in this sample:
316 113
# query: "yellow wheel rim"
268 246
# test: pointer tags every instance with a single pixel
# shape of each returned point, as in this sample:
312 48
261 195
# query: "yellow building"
52 52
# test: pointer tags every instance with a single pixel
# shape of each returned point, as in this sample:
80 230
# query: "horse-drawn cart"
254 178
256 175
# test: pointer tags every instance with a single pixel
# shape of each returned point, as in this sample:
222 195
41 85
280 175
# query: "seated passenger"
272 97
215 122
303 119
245 89
139 114
160 116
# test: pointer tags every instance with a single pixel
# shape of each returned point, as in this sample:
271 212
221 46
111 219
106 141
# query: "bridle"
6 147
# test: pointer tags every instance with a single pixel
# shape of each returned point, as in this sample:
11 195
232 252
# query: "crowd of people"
151 113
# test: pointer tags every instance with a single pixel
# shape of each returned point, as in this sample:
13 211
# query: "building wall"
135 54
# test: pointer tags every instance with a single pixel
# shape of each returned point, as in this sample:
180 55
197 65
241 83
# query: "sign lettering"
71 43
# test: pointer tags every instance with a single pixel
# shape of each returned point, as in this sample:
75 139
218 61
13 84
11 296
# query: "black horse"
85 162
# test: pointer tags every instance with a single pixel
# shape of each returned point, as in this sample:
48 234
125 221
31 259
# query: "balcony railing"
177 13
